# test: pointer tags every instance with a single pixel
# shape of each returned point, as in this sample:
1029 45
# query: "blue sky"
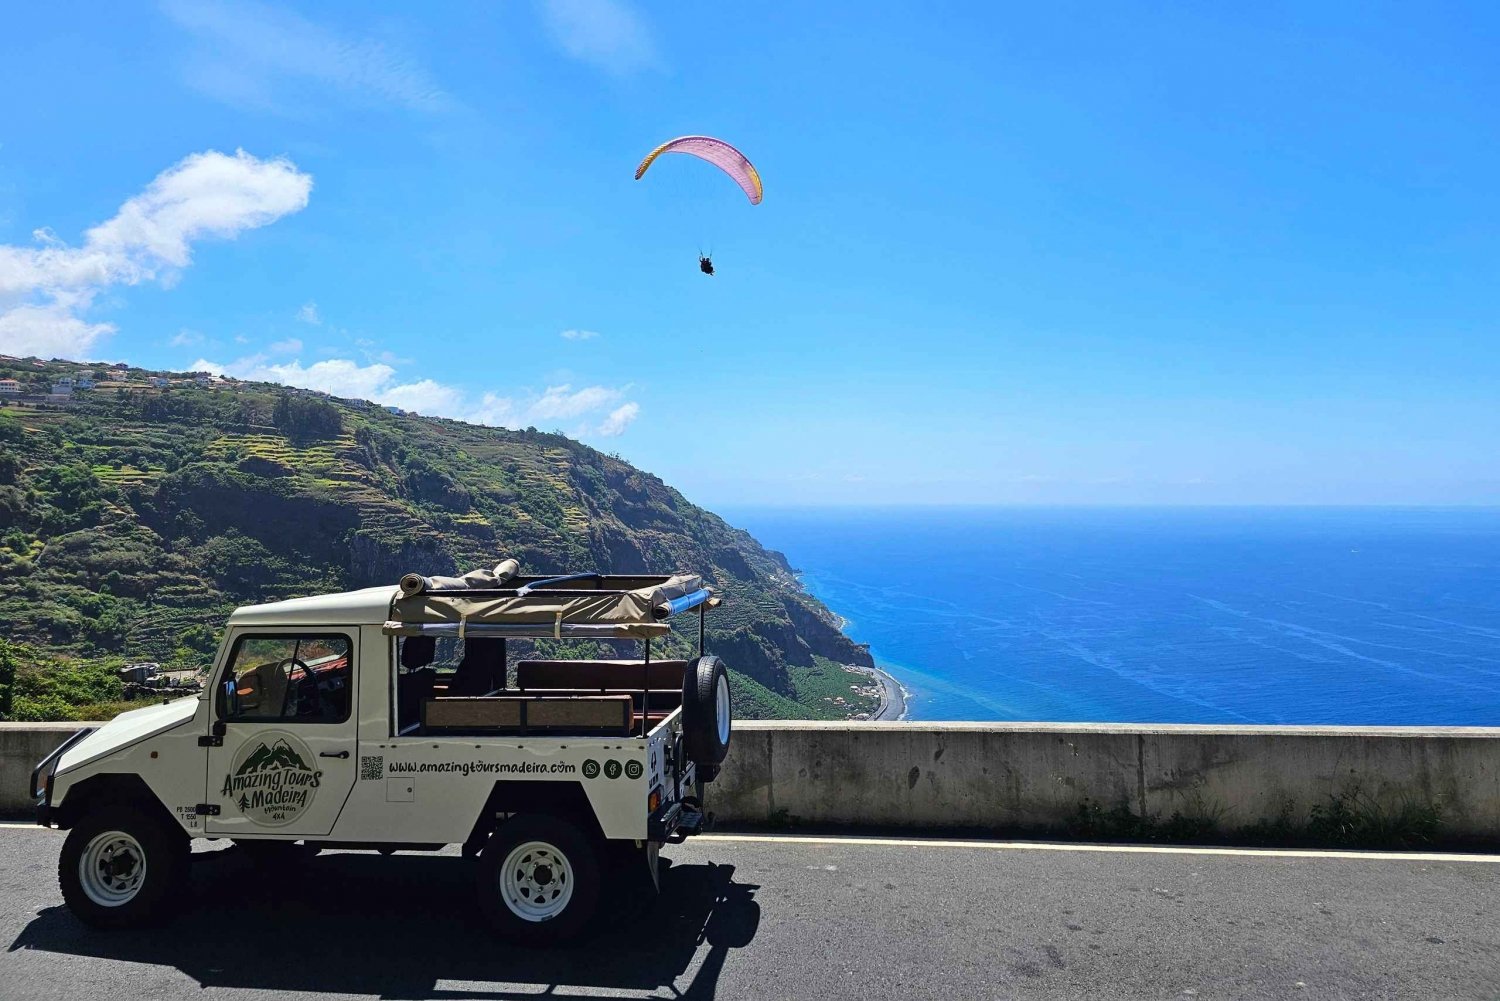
1059 253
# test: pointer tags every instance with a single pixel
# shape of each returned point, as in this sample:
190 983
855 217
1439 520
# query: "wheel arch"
110 789
554 798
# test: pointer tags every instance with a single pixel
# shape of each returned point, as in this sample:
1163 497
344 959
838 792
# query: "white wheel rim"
112 868
536 881
721 708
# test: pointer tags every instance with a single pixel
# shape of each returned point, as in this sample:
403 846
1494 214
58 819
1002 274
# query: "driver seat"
266 684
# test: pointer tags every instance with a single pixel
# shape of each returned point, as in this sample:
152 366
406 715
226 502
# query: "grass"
825 687
139 518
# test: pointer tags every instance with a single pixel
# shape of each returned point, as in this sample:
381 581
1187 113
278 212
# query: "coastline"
893 697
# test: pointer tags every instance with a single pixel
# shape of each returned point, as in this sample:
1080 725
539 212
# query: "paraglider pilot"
705 265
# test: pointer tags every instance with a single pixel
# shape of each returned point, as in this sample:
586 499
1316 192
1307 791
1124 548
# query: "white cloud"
379 383
265 57
44 289
372 352
290 346
309 314
562 402
48 331
618 420
185 338
496 411
579 335
606 33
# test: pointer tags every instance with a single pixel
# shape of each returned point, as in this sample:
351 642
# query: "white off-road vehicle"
391 719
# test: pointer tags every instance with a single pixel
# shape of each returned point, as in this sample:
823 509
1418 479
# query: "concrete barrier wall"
1057 778
22 745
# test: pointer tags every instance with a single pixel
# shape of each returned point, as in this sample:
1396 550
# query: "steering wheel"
300 688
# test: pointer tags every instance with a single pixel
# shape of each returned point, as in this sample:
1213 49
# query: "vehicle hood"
128 728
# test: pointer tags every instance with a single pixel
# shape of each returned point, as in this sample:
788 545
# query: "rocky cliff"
135 517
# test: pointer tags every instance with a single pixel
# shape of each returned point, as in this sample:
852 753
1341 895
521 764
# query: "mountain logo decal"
271 780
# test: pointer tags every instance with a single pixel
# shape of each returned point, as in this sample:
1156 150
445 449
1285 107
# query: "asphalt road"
778 918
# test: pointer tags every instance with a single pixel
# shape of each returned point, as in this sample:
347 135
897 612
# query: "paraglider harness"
705 265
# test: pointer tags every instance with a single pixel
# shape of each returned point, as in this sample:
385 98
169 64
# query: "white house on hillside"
10 387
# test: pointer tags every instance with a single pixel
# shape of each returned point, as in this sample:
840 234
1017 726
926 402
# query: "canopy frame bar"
527 630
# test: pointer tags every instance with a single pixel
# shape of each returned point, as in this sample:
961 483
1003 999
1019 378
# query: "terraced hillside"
135 517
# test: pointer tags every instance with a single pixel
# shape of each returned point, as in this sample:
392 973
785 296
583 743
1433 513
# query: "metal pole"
646 688
702 611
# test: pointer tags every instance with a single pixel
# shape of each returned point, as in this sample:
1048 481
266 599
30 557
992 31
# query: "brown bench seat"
604 715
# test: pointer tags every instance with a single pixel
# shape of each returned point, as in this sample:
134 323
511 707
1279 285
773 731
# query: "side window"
294 679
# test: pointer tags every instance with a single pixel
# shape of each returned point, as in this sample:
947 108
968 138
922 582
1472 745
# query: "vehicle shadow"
409 928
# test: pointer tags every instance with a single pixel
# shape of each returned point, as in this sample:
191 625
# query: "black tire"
112 840
553 888
705 729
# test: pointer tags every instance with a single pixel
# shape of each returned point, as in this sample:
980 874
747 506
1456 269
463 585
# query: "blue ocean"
1171 615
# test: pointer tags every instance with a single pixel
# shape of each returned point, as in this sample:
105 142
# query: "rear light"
653 801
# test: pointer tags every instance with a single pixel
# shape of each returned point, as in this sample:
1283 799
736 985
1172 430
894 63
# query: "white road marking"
1050 846
1059 846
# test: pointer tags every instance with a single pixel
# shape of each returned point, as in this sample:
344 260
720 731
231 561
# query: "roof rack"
499 602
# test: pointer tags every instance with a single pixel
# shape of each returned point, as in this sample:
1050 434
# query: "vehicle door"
283 751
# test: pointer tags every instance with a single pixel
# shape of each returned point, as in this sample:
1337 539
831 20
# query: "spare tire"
706 717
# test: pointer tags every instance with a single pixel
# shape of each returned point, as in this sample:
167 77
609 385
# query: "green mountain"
137 514
278 755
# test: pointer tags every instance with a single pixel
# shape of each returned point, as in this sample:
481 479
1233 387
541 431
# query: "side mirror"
231 698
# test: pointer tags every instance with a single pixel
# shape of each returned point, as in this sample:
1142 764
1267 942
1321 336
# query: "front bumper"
41 777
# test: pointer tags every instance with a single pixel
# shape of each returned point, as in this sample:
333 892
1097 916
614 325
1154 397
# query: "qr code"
371 767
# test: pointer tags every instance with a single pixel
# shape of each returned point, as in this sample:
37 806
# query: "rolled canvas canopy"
500 603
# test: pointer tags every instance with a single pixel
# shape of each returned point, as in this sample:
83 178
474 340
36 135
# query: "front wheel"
538 879
122 867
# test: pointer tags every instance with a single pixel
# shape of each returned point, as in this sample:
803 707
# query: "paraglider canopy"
717 152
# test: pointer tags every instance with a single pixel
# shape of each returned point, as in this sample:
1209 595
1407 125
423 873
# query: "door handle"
333 754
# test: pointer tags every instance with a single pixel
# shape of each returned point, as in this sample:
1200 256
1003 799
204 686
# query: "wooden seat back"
600 675
606 715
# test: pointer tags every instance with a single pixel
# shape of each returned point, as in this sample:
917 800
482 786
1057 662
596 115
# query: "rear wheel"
538 879
707 721
122 866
